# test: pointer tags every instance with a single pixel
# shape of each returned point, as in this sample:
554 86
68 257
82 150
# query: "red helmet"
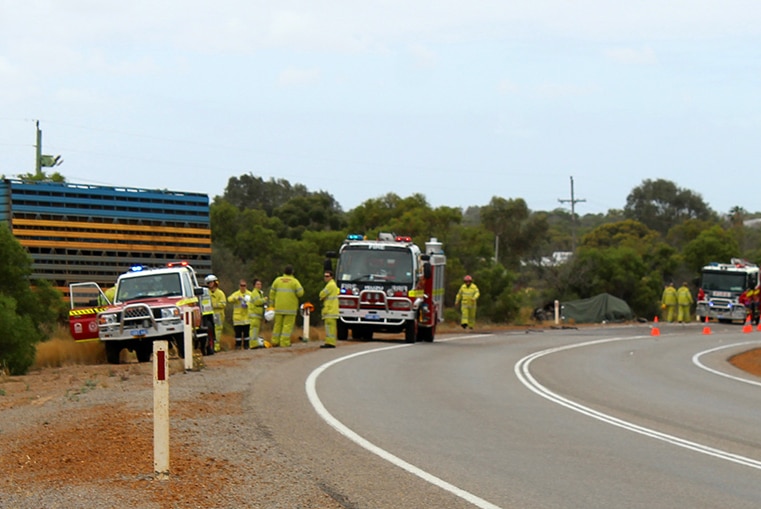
467 279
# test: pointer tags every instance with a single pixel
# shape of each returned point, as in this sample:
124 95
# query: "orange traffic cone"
706 329
655 331
747 327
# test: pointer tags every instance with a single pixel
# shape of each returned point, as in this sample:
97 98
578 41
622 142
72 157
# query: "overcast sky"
459 101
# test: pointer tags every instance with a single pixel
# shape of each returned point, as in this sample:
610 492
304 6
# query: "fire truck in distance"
721 288
149 304
389 285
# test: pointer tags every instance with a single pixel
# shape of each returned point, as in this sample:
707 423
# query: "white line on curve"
697 356
311 390
523 372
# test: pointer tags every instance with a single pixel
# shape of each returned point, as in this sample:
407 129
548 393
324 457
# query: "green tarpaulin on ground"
600 308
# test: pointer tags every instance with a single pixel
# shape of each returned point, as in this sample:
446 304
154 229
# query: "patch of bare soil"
75 433
749 361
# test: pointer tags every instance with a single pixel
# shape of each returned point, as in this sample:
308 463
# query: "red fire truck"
389 285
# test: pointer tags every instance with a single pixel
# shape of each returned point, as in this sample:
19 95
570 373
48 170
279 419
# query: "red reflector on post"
161 367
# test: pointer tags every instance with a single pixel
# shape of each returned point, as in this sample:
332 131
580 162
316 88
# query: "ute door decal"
86 301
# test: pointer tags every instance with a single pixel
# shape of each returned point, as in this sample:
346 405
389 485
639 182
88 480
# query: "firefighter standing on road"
669 302
752 300
218 303
467 295
684 301
256 312
329 298
284 297
241 300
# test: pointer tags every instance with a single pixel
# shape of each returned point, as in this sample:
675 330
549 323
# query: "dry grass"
62 350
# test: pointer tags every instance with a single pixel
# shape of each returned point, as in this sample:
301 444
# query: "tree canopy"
28 309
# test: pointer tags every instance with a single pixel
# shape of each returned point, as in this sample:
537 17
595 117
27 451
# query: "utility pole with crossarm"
573 201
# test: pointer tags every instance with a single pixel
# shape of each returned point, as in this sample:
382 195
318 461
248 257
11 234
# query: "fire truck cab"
721 288
389 285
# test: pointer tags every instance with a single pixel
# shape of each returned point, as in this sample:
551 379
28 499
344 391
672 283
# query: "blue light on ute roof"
355 236
136 268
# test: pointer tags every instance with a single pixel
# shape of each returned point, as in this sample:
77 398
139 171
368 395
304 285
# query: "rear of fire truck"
722 286
389 285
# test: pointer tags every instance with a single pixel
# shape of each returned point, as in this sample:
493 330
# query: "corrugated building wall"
77 232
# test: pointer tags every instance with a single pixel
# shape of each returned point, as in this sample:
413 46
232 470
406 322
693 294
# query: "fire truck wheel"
342 331
410 331
143 350
113 350
425 334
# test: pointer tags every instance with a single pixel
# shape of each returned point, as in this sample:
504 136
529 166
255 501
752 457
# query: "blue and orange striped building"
76 232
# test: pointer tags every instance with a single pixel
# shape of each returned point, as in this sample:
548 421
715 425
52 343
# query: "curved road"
591 418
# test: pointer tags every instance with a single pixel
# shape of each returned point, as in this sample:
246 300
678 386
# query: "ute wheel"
179 344
143 350
342 331
113 351
410 331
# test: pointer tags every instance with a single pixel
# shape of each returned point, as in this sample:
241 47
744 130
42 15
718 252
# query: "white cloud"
424 57
507 87
644 56
563 90
299 77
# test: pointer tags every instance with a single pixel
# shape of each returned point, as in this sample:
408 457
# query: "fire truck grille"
139 312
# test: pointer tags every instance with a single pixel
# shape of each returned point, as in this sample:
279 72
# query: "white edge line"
311 384
522 371
697 356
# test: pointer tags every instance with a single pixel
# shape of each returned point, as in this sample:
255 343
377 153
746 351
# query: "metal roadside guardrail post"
160 410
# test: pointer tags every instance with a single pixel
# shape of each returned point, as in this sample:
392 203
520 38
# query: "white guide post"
187 318
557 312
160 410
305 314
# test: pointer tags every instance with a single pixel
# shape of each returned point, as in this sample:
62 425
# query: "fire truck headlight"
108 319
173 312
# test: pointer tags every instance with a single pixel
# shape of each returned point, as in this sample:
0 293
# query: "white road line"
311 384
697 356
523 372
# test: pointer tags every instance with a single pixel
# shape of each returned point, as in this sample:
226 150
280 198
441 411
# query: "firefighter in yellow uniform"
753 299
684 301
218 303
669 302
466 298
329 298
256 312
284 298
241 299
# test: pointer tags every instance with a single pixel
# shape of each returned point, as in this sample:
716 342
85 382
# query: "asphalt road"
592 418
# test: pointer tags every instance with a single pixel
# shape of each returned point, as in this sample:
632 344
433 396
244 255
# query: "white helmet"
210 278
269 315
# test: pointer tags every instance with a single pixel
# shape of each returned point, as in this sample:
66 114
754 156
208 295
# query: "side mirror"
427 270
